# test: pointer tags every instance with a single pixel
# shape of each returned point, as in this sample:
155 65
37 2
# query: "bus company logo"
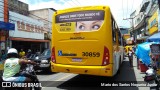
60 53
6 84
17 84
77 38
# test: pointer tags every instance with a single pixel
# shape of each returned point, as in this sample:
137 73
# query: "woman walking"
130 57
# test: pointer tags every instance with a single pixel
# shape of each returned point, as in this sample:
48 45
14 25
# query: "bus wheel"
49 69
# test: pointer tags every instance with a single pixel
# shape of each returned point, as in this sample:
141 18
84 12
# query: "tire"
154 88
49 69
37 88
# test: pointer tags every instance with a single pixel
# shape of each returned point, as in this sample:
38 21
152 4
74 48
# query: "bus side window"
113 31
119 38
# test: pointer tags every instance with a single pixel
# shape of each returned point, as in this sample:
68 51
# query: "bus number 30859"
90 54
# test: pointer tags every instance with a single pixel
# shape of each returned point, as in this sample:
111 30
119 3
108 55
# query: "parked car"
32 56
43 60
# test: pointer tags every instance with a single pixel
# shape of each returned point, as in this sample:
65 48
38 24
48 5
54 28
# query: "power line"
132 6
14 16
14 7
122 9
24 15
78 2
26 21
68 2
75 3
127 9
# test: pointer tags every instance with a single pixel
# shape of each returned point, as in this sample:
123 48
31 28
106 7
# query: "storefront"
4 28
34 44
28 34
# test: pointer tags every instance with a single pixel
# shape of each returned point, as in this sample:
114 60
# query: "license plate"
76 59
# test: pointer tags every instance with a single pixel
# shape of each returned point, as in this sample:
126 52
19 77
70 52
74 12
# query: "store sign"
7 26
153 23
29 27
2 45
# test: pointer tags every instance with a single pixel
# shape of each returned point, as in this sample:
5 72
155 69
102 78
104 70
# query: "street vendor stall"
143 52
156 50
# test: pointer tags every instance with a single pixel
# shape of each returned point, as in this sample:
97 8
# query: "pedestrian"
38 52
29 53
21 54
133 48
3 55
130 57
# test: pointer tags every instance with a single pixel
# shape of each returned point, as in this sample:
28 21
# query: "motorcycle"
152 77
27 71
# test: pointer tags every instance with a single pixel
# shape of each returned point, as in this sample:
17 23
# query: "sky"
121 9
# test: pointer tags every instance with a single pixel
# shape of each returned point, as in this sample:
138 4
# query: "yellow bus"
86 40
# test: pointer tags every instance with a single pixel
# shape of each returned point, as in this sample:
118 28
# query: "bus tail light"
105 57
53 57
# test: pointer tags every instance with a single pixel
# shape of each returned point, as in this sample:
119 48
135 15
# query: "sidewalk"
139 75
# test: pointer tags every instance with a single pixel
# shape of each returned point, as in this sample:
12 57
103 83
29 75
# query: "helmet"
29 50
12 50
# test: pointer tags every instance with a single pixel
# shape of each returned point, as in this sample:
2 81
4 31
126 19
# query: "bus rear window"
80 21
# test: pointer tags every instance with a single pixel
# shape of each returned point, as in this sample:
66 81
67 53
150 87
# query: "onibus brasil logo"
20 84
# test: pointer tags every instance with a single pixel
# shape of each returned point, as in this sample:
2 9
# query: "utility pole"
132 26
132 23
6 19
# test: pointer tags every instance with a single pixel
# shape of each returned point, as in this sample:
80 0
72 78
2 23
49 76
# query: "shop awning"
7 25
143 38
28 39
143 51
154 38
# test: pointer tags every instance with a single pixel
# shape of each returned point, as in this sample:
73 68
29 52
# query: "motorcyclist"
12 67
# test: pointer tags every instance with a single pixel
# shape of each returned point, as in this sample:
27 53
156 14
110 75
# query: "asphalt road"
68 81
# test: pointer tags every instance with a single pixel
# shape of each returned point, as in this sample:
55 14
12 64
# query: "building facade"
29 32
45 15
124 30
1 10
144 20
2 36
5 25
18 7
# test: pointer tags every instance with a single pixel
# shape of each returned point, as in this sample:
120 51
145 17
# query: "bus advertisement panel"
79 21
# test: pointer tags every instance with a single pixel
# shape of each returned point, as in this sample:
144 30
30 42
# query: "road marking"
61 79
64 77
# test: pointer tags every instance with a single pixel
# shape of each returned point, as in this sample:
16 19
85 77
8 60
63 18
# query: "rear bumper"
43 66
90 70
